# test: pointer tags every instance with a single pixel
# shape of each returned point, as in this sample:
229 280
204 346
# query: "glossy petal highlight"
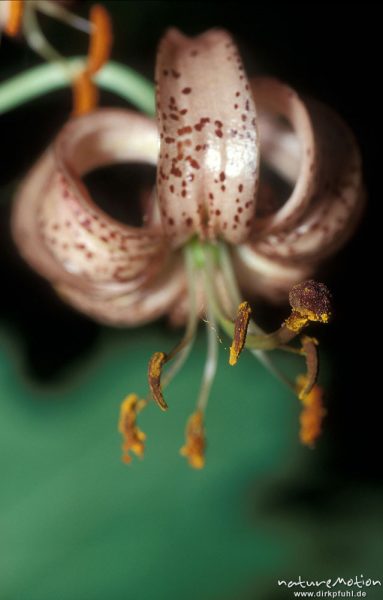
208 163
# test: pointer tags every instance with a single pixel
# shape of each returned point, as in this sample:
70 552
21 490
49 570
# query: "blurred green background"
77 524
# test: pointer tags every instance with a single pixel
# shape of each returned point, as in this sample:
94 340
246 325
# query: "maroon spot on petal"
189 221
222 176
186 90
218 133
176 172
175 74
193 163
171 221
217 212
184 130
240 188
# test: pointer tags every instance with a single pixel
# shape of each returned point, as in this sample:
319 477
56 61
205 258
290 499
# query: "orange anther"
15 14
101 38
85 94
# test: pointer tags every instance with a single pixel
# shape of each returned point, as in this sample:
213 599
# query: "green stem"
46 78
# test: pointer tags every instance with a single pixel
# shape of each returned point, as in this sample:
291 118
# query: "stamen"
133 437
240 331
194 449
212 354
181 357
13 24
312 413
182 350
101 38
309 349
85 94
310 301
232 286
156 364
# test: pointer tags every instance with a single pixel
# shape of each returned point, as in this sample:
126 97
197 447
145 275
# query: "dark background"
329 51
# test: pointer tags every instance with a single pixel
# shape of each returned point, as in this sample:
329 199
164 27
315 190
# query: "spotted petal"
93 259
208 164
309 147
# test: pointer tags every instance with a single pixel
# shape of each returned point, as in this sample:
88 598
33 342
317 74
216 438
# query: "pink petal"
144 304
292 155
323 209
208 160
64 235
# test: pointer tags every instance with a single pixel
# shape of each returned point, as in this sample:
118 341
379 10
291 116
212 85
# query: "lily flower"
256 185
20 17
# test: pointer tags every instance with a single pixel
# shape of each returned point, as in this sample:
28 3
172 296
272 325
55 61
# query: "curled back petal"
70 240
287 147
324 174
208 163
334 203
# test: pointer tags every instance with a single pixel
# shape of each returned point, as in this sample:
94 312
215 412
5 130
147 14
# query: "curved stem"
35 82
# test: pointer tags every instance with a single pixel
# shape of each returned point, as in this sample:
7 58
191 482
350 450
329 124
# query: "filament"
212 354
187 342
53 9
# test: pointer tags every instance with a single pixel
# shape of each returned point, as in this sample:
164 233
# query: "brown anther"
240 331
15 15
310 301
133 437
156 364
309 349
101 38
194 449
312 413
